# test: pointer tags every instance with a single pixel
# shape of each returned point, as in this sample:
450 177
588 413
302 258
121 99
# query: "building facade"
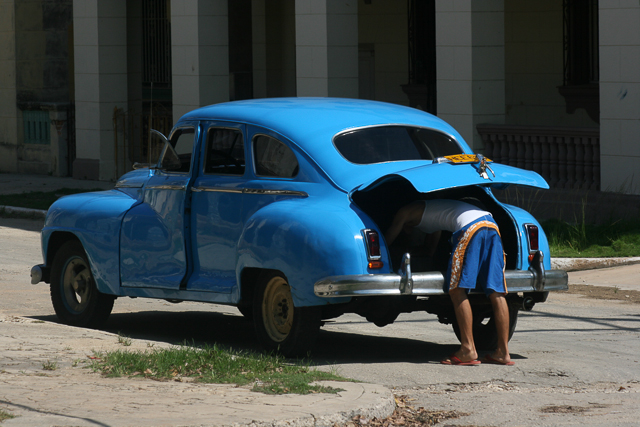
551 85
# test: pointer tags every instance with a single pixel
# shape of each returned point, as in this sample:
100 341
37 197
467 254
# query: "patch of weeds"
49 365
271 374
4 415
406 415
124 340
38 321
577 240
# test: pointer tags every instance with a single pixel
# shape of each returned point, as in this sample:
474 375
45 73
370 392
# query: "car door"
153 248
216 207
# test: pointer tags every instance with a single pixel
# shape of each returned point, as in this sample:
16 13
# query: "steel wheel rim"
76 285
277 309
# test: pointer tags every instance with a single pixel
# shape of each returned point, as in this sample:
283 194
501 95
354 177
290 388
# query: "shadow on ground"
236 332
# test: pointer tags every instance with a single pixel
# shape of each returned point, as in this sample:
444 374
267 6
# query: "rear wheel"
279 325
485 334
75 297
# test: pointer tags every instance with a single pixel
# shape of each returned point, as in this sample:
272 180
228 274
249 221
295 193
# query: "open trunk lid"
452 174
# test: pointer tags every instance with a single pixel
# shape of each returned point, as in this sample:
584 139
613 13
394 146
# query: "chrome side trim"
216 190
125 184
430 283
167 187
275 192
250 191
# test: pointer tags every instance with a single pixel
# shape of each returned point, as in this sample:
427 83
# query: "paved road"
577 359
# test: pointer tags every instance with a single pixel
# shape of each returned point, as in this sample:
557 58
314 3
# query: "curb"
580 264
22 212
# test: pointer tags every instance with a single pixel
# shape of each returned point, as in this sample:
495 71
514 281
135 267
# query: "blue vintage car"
278 207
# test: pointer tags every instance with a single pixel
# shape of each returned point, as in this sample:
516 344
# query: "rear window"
394 143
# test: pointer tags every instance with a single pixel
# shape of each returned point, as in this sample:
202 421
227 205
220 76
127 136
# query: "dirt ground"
605 292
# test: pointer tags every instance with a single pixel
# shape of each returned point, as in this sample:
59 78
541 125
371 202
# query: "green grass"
617 239
4 415
37 199
49 365
269 374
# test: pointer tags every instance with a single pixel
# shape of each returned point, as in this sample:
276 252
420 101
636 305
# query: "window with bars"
580 87
580 42
156 45
36 127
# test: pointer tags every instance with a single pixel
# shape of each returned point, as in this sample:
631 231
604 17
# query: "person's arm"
409 215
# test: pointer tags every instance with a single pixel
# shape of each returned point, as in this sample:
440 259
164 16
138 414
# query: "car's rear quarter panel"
306 239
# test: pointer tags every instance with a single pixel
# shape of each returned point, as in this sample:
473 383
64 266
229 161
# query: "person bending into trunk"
477 258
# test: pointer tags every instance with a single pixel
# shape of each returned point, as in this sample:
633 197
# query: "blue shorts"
477 258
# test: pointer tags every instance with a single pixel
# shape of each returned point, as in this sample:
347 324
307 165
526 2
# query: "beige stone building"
549 85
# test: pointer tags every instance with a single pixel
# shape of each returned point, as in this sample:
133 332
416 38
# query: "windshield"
394 143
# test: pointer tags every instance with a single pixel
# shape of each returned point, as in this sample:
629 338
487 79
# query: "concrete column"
259 35
100 55
199 54
620 96
470 65
327 48
8 108
59 136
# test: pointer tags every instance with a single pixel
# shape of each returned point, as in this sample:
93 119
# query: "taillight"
372 241
532 237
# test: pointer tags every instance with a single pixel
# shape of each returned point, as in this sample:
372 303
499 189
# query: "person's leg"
464 316
501 317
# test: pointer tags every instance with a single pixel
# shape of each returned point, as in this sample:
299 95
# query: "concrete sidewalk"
73 395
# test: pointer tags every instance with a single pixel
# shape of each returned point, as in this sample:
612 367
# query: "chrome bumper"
536 279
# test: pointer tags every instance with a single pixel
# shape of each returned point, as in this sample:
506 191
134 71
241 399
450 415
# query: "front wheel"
485 334
75 297
279 325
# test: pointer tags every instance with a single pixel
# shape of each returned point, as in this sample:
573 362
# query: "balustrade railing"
568 158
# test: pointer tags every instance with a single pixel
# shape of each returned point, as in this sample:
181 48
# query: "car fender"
95 220
306 241
521 217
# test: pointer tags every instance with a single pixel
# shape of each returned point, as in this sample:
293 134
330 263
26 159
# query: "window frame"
172 141
257 135
388 125
206 148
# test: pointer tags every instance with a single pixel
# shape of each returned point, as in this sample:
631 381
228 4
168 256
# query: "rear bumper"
536 279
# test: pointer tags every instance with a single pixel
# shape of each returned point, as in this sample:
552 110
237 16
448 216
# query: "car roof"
311 123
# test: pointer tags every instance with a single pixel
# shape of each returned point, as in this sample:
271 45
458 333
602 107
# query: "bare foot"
497 359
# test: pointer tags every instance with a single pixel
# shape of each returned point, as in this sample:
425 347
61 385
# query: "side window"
273 158
179 159
225 152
